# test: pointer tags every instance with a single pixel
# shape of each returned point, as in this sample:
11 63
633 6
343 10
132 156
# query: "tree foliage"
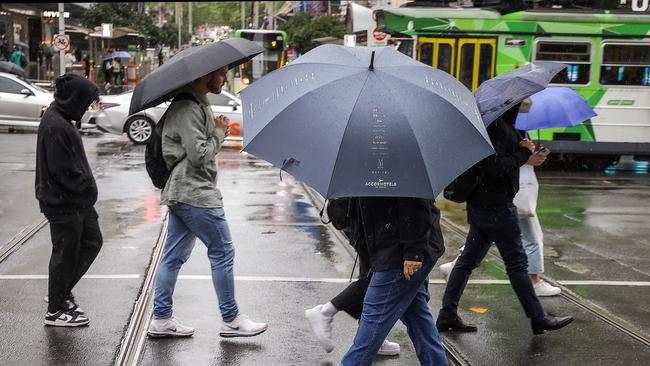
302 29
122 14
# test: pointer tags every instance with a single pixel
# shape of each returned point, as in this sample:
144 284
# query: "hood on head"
74 94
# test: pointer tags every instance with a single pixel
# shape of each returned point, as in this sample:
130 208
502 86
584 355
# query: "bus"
608 53
274 56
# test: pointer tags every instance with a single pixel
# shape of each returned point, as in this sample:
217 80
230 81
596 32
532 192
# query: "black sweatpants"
76 241
350 299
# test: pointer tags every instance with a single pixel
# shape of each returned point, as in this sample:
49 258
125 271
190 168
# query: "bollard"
132 74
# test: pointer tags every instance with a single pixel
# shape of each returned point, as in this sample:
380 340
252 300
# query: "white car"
111 115
22 103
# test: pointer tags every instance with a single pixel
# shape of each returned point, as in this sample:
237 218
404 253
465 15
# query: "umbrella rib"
354 106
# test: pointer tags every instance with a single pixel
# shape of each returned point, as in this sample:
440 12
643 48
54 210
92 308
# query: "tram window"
426 53
444 57
625 65
576 54
466 69
485 63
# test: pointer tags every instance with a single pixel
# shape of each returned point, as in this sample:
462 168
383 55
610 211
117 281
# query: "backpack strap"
188 96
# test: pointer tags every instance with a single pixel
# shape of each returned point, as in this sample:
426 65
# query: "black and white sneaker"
65 318
72 304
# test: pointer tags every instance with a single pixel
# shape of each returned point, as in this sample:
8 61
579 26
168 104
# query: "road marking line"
324 280
94 277
605 283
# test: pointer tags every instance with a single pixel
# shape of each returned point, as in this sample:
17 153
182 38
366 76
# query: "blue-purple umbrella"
117 54
555 107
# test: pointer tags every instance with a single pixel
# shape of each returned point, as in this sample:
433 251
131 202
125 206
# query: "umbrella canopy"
117 54
360 121
188 65
555 107
497 95
11 68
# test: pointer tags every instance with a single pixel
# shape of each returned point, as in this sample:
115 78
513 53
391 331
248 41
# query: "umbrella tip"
372 61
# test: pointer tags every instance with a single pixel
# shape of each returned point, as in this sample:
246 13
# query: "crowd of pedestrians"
398 239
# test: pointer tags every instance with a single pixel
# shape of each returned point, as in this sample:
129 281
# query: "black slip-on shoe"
551 322
454 325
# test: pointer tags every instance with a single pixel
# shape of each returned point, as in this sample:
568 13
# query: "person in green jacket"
18 57
191 139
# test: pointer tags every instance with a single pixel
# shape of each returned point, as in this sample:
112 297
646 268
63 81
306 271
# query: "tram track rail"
21 238
132 343
568 295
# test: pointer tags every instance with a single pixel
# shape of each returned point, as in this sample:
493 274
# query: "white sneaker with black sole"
242 326
65 318
389 348
169 327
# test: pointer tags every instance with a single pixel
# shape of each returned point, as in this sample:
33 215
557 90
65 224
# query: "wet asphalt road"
286 261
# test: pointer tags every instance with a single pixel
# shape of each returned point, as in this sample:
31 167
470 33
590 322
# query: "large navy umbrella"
188 65
11 68
497 95
360 121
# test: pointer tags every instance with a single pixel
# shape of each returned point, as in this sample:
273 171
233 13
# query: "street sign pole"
61 32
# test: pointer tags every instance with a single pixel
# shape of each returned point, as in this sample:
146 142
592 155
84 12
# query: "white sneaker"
169 327
242 326
446 268
389 348
543 289
321 325
65 318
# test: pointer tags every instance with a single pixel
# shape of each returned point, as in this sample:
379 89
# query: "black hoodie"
64 180
500 181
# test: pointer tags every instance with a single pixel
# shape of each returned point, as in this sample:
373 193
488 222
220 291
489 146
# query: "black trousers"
501 226
350 299
76 241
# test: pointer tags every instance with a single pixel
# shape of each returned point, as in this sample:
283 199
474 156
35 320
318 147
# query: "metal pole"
269 5
61 31
243 15
178 22
256 14
189 19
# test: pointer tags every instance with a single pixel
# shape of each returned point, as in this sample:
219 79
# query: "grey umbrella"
359 121
188 65
497 95
11 68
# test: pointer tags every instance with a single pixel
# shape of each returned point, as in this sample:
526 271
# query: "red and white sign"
61 42
377 38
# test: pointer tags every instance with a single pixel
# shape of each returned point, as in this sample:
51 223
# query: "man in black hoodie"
493 217
66 191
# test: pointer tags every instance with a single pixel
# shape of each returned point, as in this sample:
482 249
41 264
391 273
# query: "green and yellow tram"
608 56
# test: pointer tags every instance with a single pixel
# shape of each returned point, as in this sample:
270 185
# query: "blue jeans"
186 223
501 226
391 297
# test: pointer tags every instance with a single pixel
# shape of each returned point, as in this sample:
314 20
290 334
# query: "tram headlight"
245 80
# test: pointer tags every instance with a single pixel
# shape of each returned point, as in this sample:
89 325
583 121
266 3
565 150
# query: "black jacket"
64 180
499 180
396 229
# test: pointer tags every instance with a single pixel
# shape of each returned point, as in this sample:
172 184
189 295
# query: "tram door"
470 60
